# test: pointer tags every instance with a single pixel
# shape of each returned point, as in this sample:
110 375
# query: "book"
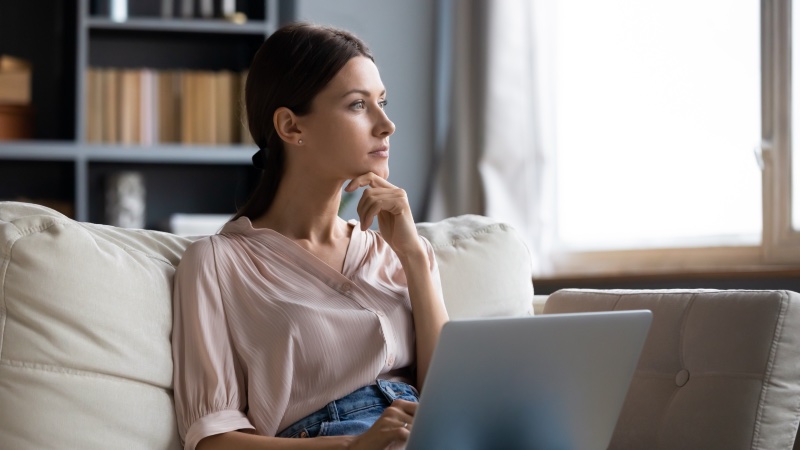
148 113
206 9
130 107
226 92
187 9
110 121
205 128
187 105
167 9
169 106
94 105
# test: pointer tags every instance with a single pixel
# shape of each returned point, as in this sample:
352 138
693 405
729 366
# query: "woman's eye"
358 105
383 103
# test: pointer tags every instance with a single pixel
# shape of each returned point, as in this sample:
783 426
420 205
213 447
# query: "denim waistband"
363 407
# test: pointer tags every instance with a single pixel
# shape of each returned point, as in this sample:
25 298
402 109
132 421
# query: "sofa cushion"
719 370
484 265
85 323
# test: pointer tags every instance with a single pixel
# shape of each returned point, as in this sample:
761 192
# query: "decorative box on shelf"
16 113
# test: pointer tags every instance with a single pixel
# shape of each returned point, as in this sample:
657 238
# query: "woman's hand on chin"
390 205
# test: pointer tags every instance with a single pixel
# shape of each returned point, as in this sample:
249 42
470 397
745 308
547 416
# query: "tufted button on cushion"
681 378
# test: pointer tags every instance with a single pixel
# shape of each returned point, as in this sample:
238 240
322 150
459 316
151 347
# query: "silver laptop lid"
545 382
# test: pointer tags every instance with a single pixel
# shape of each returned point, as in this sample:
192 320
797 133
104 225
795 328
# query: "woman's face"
346 134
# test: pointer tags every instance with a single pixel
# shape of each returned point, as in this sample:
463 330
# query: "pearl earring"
299 142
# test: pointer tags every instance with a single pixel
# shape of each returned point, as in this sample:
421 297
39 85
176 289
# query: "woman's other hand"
390 204
390 431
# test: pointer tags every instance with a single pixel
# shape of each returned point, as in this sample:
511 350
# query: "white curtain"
494 154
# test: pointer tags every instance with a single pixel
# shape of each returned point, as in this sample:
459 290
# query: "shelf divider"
222 26
161 154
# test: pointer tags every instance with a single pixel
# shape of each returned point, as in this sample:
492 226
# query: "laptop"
544 382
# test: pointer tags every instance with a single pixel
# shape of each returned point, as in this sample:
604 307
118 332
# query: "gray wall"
401 37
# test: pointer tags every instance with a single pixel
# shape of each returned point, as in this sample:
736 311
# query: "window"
663 111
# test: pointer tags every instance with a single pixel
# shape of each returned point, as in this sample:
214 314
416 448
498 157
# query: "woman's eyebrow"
363 92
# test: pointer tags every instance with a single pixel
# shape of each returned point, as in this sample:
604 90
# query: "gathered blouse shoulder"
266 333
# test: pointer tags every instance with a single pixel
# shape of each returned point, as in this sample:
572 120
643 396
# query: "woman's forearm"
427 307
245 441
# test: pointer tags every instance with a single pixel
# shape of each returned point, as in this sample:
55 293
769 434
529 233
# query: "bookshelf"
69 167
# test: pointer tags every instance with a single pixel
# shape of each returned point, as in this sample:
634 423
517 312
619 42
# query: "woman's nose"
385 127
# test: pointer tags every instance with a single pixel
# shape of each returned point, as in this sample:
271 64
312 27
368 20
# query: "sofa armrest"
719 369
538 303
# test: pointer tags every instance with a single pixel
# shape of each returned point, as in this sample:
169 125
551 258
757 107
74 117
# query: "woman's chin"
382 170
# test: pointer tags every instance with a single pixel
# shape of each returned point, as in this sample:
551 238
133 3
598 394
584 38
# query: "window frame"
781 243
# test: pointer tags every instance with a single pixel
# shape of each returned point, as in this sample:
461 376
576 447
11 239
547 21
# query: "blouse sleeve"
434 266
210 395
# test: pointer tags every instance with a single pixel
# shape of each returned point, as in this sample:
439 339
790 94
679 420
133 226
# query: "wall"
401 37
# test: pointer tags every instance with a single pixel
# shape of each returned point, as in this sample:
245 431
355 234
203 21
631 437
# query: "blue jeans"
352 414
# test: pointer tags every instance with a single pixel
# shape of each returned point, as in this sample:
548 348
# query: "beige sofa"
86 317
85 323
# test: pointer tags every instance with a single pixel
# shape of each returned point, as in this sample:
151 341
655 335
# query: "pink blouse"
265 333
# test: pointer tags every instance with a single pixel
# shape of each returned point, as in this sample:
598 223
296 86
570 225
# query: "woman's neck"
306 210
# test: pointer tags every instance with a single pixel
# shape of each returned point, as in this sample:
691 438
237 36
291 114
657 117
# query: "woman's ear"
285 122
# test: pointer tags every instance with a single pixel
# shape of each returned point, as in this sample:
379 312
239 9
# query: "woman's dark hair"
292 66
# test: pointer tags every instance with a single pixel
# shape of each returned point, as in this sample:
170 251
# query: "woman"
292 322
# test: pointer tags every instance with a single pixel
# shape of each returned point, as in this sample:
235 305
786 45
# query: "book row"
148 107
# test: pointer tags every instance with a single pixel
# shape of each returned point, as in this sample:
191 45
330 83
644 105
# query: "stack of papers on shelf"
197 224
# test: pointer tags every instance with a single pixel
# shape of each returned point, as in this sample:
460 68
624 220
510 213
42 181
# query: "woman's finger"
397 418
405 406
392 201
376 200
368 179
367 215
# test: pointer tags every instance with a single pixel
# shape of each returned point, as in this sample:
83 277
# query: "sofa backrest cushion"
719 369
85 323
484 265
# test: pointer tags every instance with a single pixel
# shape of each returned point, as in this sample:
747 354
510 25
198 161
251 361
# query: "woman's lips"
382 152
